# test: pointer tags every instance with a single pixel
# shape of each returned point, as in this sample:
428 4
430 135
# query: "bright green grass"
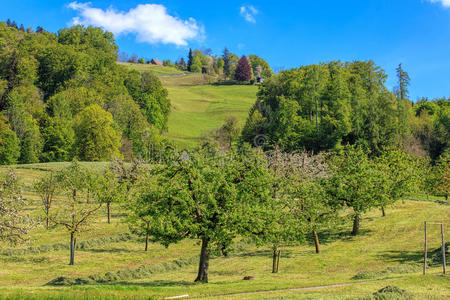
198 109
394 240
157 70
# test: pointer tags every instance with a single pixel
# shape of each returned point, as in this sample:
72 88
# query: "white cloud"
249 13
445 3
150 22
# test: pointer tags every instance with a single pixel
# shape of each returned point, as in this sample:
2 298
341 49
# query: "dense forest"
64 96
322 107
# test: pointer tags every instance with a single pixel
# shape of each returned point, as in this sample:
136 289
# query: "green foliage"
260 67
9 144
96 137
148 92
321 107
355 182
47 80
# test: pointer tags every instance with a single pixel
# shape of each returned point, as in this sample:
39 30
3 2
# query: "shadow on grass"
266 253
115 250
156 283
333 235
402 256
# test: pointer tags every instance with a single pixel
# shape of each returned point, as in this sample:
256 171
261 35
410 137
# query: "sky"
286 33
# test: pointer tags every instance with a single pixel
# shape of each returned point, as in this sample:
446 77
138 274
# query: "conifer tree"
190 59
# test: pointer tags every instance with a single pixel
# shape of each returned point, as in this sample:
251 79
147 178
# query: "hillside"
198 105
390 250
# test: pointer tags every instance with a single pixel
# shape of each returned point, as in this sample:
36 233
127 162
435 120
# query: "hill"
156 70
199 105
389 253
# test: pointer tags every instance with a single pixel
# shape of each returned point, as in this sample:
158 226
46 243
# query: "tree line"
63 96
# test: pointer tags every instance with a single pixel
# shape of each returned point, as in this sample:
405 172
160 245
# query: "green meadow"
389 252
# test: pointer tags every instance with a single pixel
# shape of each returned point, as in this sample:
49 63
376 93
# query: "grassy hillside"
198 107
390 249
157 70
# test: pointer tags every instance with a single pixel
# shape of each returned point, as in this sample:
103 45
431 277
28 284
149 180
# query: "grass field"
390 249
157 70
198 105
199 108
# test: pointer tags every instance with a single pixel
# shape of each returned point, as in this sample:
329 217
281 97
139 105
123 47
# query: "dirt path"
295 289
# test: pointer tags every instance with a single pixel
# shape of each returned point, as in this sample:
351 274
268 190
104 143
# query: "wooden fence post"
425 252
443 247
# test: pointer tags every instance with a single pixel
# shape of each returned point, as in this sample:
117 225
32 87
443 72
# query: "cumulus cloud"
249 13
150 22
445 3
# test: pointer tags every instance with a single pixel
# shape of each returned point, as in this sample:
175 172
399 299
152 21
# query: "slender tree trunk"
274 261
146 236
204 262
355 230
47 216
383 212
108 209
278 259
72 249
316 241
446 197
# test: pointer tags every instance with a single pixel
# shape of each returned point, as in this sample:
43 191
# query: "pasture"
387 253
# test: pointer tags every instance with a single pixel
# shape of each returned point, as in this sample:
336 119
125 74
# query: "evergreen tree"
22 28
39 29
226 63
8 23
190 59
243 70
14 25
403 82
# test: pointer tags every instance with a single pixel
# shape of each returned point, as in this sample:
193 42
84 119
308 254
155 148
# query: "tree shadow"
156 283
402 256
332 235
115 250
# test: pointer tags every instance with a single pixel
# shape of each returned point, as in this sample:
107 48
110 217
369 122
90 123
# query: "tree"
354 183
227 64
141 61
403 82
196 64
74 215
260 67
229 131
14 223
96 137
443 175
39 29
400 176
190 59
207 196
47 187
22 28
9 144
108 190
8 23
243 70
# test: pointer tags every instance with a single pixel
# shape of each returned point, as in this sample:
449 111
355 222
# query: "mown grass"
390 249
198 109
157 70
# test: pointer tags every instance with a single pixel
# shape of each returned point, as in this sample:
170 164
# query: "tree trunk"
274 262
316 241
72 249
204 262
108 209
146 236
446 197
355 230
383 212
278 260
428 196
47 216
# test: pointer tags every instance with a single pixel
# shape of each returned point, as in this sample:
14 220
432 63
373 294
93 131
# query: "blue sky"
286 33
